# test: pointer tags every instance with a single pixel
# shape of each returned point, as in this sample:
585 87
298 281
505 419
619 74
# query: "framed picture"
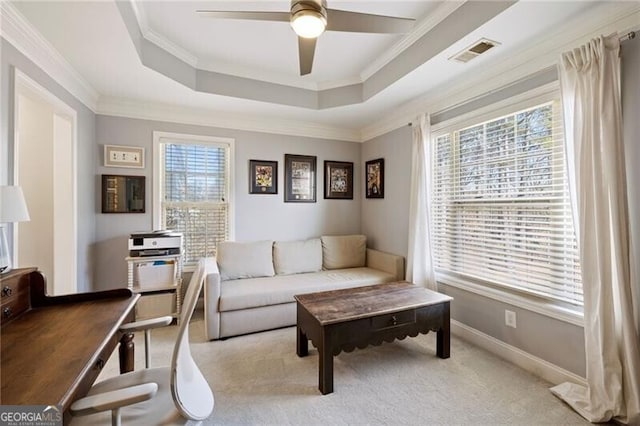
300 178
123 194
124 156
374 178
338 180
263 177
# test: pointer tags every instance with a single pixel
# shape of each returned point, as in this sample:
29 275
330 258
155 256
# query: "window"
192 190
501 213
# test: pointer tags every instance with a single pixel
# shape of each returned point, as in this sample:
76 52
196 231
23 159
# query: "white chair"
146 326
154 396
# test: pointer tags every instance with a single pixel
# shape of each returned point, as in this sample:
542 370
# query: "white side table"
160 286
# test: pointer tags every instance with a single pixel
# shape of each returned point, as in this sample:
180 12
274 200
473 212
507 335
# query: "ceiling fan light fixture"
308 23
308 19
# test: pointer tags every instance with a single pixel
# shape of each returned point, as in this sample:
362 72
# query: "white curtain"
419 258
590 83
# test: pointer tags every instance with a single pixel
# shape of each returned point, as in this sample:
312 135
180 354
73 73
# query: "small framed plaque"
124 156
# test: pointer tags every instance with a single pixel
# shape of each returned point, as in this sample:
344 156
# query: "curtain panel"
590 84
419 256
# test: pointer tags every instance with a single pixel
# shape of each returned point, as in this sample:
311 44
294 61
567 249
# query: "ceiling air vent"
477 48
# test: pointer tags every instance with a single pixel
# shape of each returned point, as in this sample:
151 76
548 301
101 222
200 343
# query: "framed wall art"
263 177
124 156
374 178
338 180
300 178
123 194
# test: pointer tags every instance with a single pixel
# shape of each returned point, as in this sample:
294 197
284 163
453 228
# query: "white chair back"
191 392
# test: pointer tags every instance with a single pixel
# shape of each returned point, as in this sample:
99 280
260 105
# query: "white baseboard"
538 366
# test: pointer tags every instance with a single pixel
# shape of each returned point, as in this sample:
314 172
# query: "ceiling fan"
310 18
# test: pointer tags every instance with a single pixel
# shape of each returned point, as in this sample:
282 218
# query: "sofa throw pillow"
245 260
344 251
297 257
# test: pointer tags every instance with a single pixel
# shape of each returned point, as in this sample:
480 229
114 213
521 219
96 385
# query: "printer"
155 243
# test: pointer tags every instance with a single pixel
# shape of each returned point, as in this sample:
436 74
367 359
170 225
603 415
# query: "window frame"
160 138
565 312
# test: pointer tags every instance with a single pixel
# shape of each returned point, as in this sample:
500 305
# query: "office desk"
53 348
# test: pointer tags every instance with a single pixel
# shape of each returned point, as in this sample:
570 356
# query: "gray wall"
631 113
386 221
86 149
257 217
555 341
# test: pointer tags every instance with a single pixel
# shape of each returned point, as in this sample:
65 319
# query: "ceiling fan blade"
306 50
341 20
256 16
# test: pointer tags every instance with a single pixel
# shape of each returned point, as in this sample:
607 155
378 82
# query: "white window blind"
501 209
194 194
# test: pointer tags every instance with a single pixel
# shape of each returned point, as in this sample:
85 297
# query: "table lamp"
12 209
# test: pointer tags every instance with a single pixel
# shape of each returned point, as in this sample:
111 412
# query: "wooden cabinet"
14 293
158 280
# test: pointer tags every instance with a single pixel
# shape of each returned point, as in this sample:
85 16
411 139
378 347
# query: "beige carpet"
259 380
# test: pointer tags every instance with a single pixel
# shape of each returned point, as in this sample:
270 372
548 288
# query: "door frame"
25 86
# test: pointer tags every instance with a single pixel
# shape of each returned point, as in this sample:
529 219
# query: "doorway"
45 167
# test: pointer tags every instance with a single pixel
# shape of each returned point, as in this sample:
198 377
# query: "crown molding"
160 40
208 64
24 37
128 108
141 16
171 47
290 94
253 74
275 78
205 64
335 84
542 55
229 68
423 27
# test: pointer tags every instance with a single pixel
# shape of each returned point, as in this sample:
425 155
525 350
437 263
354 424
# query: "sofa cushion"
344 251
245 260
256 292
295 257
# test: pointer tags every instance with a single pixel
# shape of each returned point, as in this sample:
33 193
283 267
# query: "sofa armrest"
386 262
211 299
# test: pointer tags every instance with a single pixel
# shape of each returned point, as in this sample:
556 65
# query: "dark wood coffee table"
342 320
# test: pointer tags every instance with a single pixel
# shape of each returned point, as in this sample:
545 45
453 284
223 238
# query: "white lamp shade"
12 205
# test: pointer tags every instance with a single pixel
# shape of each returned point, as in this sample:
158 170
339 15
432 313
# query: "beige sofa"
249 287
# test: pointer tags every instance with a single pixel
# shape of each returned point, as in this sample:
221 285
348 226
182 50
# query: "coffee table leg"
302 343
326 364
443 344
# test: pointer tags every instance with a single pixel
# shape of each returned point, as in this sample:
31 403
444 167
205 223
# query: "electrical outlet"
510 318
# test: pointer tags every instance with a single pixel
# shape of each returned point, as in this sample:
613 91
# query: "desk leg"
127 359
325 353
443 343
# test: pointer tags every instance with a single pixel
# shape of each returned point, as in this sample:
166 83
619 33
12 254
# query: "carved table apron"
342 320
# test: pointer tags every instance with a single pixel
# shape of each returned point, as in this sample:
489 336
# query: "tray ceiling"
140 52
